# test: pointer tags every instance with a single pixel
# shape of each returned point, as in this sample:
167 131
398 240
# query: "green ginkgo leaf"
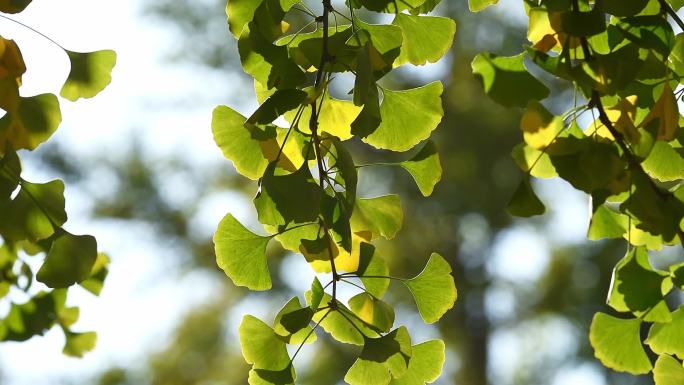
607 223
291 198
317 293
374 312
69 260
668 371
34 122
240 13
77 344
95 282
373 266
617 344
426 38
241 254
34 317
340 323
266 352
281 102
425 168
507 81
13 6
425 366
668 338
382 359
636 287
10 174
433 289
382 216
292 323
524 202
400 131
479 5
90 73
664 162
34 212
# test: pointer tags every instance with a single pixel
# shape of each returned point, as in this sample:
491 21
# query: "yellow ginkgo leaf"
667 113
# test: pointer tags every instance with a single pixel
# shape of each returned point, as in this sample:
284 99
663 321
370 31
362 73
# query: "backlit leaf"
34 121
426 38
372 265
479 5
433 289
292 323
668 371
69 261
425 168
400 131
617 344
668 337
382 216
77 344
373 311
241 254
90 73
425 366
524 202
266 352
382 359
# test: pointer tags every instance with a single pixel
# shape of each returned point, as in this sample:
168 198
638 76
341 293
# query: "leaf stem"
309 335
34 30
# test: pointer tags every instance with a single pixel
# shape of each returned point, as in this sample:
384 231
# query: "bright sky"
169 109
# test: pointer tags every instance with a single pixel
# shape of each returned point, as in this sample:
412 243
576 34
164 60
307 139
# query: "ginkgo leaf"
34 121
340 323
292 323
540 128
238 144
281 102
10 174
668 371
425 366
665 163
425 168
676 57
524 202
666 111
266 352
433 289
77 344
34 317
335 118
399 131
426 39
382 216
95 281
317 293
507 81
240 13
34 212
373 311
241 254
638 288
90 73
624 8
617 344
607 223
668 338
291 198
479 5
374 266
69 260
382 359
13 6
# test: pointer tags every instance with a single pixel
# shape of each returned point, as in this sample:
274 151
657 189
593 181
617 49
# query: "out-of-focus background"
144 176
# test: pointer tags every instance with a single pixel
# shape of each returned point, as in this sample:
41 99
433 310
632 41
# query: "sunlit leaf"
77 344
665 163
34 212
373 311
668 371
400 131
34 317
292 323
69 260
425 168
90 73
617 344
95 281
374 266
283 199
241 254
426 38
479 5
382 216
32 123
540 128
425 366
668 337
433 289
266 352
667 113
382 359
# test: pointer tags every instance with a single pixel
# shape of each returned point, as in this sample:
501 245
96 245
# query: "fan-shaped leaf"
267 353
668 371
33 122
433 289
241 254
382 216
399 131
425 168
382 359
90 73
668 338
372 265
292 323
373 311
617 344
70 260
425 366
77 344
426 39
524 202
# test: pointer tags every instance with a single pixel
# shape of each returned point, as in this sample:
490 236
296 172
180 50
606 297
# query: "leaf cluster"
307 198
32 215
623 59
